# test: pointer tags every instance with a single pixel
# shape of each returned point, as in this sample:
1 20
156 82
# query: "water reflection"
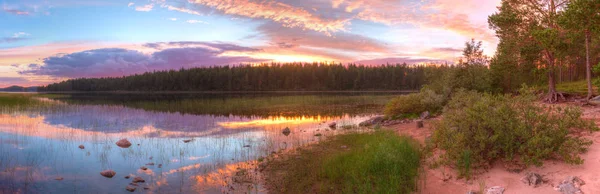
39 146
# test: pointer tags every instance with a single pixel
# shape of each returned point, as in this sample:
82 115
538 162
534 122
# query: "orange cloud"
287 15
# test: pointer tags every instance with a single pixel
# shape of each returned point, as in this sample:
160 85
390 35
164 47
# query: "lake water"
228 132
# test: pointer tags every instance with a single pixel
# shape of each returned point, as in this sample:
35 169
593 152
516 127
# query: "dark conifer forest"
263 77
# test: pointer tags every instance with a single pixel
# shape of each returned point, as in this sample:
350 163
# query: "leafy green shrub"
478 129
411 105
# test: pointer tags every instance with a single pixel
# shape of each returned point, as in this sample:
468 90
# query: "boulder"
332 125
130 188
571 185
286 131
144 168
420 124
495 190
372 121
108 173
81 147
138 180
187 140
127 177
532 179
425 115
318 135
124 143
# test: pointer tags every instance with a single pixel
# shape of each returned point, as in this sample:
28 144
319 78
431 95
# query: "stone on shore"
495 190
571 185
532 179
373 121
420 124
424 115
124 143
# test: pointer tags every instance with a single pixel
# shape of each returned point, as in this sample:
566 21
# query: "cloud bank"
109 62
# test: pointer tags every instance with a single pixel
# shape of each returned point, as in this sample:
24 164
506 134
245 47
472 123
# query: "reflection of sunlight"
274 121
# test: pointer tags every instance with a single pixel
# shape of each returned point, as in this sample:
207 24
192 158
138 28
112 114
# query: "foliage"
378 162
470 73
478 129
411 105
265 77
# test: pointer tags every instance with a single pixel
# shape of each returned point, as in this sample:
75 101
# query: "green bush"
477 129
411 105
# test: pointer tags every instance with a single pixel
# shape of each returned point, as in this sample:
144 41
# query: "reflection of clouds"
36 127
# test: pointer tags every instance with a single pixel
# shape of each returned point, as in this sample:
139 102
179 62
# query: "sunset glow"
44 41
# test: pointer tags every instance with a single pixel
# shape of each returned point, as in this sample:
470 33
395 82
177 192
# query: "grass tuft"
379 162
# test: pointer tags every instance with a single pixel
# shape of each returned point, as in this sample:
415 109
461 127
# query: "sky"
45 41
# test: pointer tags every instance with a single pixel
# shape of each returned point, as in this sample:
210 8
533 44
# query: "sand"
553 171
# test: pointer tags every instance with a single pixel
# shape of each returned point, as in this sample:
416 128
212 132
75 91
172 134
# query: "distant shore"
223 92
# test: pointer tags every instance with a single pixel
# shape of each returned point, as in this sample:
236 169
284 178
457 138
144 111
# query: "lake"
40 138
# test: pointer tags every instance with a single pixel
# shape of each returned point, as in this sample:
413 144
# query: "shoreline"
443 179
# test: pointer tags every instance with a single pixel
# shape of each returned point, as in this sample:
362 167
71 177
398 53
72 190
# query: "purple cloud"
112 62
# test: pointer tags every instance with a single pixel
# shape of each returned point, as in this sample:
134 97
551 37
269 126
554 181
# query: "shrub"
477 129
411 105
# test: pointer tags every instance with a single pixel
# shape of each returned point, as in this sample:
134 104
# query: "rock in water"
420 124
286 131
425 115
159 165
187 140
150 164
130 188
138 180
144 168
532 179
127 177
108 173
332 125
571 185
124 143
495 190
59 178
81 147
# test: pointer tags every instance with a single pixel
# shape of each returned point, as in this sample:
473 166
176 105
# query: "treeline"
263 77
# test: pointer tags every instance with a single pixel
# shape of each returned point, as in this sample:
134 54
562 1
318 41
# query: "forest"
261 77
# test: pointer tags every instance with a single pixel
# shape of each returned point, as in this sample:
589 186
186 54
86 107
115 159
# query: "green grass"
577 88
16 99
379 162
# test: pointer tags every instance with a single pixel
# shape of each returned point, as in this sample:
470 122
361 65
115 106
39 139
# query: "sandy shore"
553 171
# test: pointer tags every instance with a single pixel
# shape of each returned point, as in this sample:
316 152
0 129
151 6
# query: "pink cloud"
284 14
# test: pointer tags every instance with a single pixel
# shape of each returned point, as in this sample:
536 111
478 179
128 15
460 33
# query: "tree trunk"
588 68
553 96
